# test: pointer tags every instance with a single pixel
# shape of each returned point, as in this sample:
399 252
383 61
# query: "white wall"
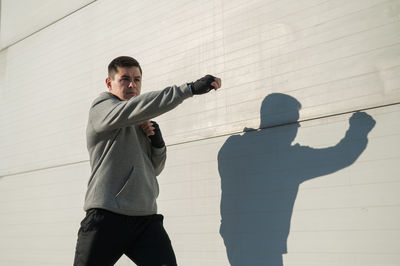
335 57
21 18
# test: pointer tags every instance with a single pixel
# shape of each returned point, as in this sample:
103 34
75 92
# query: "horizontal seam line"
221 135
289 123
44 27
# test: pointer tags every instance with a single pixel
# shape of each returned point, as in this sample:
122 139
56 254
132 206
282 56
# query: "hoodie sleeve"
109 113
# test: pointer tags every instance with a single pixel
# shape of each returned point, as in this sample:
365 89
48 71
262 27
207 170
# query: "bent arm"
158 158
319 162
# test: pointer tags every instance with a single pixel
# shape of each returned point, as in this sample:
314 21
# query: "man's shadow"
260 175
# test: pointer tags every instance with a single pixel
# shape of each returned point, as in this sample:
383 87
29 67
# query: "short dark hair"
122 61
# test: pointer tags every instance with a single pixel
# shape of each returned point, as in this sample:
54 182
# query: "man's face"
126 83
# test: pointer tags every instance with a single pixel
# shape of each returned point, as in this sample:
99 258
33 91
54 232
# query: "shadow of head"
280 109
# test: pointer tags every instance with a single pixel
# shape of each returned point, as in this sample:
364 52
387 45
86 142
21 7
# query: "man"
127 152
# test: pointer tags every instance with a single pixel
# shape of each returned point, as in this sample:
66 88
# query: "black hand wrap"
156 139
202 85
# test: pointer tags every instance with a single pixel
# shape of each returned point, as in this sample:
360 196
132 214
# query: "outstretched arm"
111 113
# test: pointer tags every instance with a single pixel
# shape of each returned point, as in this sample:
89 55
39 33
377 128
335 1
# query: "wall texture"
276 168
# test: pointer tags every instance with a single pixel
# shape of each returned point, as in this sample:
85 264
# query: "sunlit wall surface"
294 161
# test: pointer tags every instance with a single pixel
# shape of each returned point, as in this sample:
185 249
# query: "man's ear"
108 83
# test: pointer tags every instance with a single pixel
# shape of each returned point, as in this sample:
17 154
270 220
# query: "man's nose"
132 84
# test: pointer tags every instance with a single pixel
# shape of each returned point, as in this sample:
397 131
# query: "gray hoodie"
123 162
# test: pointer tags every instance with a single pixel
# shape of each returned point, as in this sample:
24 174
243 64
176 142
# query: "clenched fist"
205 84
152 130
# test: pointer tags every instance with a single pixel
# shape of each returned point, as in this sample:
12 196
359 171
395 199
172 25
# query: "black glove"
156 139
202 85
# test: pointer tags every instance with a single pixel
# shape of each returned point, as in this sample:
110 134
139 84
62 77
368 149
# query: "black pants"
105 236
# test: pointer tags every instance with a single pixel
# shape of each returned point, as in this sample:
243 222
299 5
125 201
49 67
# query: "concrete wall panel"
332 56
41 212
21 18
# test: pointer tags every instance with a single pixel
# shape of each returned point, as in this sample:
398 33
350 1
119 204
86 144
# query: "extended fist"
205 84
362 120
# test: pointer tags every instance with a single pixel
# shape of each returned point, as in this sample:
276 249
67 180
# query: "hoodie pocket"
129 176
138 194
